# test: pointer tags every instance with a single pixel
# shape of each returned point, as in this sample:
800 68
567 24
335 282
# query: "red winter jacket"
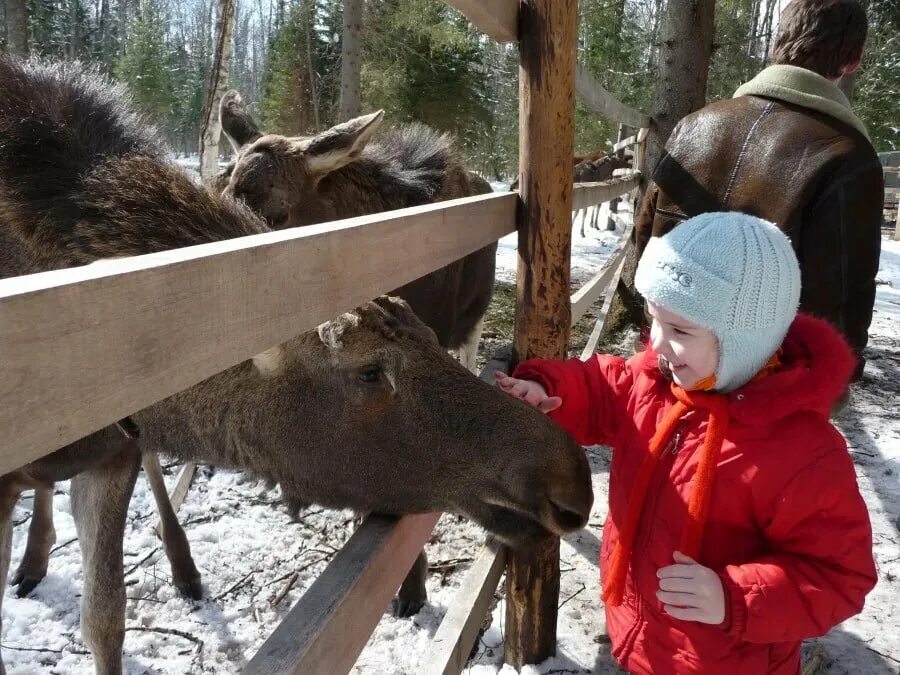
788 531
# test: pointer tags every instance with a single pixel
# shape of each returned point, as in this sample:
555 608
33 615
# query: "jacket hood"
816 366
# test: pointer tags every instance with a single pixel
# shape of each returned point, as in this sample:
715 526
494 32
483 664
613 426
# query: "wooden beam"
892 177
451 645
84 347
592 94
547 34
590 194
326 630
591 346
179 492
497 18
594 289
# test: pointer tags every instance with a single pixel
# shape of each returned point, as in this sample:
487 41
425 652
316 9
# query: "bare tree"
17 27
350 59
210 126
684 53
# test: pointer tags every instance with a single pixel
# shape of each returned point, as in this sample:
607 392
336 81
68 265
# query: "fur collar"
804 88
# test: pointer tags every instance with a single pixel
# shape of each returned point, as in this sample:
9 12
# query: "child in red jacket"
735 527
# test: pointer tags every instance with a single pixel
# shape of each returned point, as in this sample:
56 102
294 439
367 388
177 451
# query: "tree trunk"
210 124
548 31
310 65
686 45
17 27
350 59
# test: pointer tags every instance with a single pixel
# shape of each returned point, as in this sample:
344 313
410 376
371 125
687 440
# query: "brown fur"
349 171
407 429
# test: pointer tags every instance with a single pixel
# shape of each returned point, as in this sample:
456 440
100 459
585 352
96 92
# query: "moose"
349 171
367 411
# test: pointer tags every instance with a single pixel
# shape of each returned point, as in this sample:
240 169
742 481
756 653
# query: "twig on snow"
63 545
571 596
142 561
284 591
448 565
881 654
31 649
237 585
167 631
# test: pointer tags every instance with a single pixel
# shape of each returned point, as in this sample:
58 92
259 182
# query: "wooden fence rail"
131 332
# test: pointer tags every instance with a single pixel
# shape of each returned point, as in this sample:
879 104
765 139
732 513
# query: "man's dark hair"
821 35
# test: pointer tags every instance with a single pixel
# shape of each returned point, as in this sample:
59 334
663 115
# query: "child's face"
692 352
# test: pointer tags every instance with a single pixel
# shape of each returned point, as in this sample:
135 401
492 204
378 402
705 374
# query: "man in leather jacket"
787 148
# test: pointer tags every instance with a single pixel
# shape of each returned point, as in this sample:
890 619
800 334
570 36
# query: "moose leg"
41 537
468 350
9 494
412 594
184 572
100 499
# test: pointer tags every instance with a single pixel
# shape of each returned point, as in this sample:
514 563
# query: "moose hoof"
405 608
26 583
192 589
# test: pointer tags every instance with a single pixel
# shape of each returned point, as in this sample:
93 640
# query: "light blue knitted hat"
733 274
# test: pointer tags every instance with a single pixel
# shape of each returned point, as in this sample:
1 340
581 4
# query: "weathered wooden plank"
892 177
546 147
588 294
179 492
590 194
591 346
592 94
84 347
451 645
889 158
496 18
326 630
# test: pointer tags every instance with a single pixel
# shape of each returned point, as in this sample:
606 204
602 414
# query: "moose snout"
568 495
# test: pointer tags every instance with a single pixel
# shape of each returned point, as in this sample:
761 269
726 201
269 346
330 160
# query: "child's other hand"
691 592
529 391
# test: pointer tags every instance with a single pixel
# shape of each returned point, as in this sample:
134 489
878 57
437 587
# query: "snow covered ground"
247 548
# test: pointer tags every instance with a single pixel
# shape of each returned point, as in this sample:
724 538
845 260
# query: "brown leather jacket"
816 177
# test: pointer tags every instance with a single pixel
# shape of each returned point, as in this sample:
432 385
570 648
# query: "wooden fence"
83 347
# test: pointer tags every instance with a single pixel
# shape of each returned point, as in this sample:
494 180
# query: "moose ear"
341 144
239 127
270 361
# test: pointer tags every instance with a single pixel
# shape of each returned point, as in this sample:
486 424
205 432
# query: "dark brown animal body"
366 412
592 168
349 171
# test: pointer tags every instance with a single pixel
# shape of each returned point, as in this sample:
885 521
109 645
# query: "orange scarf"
701 485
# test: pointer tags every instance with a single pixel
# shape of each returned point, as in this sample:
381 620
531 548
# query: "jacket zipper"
662 468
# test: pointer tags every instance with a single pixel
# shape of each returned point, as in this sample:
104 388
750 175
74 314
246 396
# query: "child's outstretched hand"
529 391
691 592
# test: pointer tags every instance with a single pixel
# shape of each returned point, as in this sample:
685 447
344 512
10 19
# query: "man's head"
825 36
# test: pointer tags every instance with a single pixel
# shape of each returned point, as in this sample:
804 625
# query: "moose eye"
370 374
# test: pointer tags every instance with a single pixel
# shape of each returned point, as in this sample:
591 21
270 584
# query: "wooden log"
496 18
589 194
451 645
546 147
593 95
326 630
83 347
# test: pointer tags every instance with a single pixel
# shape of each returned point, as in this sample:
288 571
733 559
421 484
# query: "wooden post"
614 203
547 31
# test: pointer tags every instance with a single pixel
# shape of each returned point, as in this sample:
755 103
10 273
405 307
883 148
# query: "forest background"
420 60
